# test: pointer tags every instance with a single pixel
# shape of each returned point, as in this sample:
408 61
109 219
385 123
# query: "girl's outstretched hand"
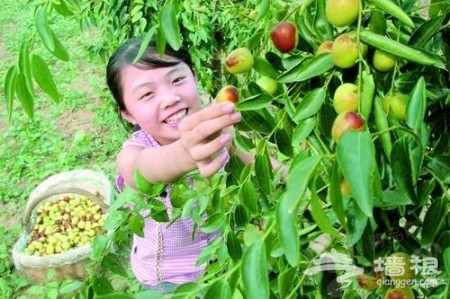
204 139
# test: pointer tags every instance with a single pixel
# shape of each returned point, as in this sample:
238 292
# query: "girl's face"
158 99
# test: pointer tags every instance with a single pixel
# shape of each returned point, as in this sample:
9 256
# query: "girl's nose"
170 101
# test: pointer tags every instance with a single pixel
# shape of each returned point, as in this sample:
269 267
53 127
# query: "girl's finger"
209 113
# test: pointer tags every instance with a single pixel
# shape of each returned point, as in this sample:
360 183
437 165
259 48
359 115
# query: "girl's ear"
127 116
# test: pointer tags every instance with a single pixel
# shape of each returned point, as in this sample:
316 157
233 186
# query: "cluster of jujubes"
69 222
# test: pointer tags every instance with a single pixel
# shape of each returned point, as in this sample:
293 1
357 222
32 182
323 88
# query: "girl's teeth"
176 117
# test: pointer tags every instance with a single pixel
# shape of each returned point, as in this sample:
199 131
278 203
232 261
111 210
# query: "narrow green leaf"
240 216
356 223
433 221
308 68
416 106
310 104
43 77
303 130
255 274
99 246
447 260
213 223
401 167
255 102
320 217
25 66
440 164
300 173
60 51
25 97
219 289
257 122
394 10
263 67
426 31
263 169
233 246
170 26
114 263
69 286
145 42
398 49
335 195
356 157
247 196
284 142
285 281
44 30
10 90
263 8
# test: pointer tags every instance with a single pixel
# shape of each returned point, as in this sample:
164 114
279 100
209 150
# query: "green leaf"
136 224
70 286
310 104
145 42
303 130
99 246
433 221
263 67
44 30
9 86
284 142
320 217
255 102
60 51
26 99
114 263
43 77
335 194
214 223
219 289
308 68
145 186
255 273
258 122
247 196
356 157
401 167
285 281
263 8
446 256
300 173
233 246
263 169
440 165
416 106
393 199
426 31
158 211
394 10
356 223
101 285
170 26
240 216
25 67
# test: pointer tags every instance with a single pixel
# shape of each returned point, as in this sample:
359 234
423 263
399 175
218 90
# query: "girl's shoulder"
140 138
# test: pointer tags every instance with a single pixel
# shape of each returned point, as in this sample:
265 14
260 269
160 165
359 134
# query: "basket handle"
99 199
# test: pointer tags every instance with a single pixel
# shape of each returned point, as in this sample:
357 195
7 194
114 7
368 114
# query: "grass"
82 131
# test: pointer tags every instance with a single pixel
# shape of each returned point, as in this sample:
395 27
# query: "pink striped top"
179 249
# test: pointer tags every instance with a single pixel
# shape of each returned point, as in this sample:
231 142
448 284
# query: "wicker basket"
69 264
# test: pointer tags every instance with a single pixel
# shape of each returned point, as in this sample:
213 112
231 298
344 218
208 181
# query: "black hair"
151 58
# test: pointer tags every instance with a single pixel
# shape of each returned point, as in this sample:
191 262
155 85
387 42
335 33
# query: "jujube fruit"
395 102
346 121
267 84
342 13
228 93
284 36
383 61
345 51
239 61
399 293
325 47
346 97
400 261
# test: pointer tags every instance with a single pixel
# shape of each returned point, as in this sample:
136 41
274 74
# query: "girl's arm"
200 146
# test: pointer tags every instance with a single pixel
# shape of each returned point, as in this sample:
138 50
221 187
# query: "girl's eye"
146 95
178 79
